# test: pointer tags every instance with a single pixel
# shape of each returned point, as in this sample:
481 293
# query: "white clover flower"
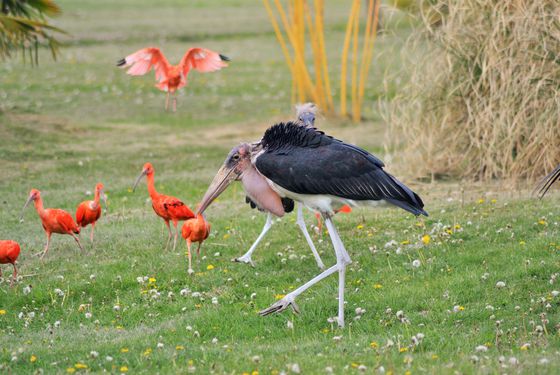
337 338
57 324
362 368
59 292
93 354
500 284
295 368
256 359
196 294
27 290
360 311
117 308
109 358
555 293
416 263
140 280
481 348
170 295
513 361
159 345
543 361
92 277
184 292
88 315
189 328
31 315
290 324
214 300
214 340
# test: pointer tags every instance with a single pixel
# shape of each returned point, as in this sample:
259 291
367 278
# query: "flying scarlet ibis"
318 171
9 252
305 115
171 78
54 220
167 207
88 212
547 181
195 229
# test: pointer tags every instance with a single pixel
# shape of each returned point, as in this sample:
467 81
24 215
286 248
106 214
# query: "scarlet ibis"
88 212
318 171
305 115
167 207
54 220
172 77
547 182
9 252
196 229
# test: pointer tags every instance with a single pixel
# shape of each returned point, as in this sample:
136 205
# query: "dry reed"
484 102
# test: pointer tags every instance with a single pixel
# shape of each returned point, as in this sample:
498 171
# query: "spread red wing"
202 60
142 61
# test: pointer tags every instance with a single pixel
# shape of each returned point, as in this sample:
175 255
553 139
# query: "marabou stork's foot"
281 305
190 271
320 264
244 259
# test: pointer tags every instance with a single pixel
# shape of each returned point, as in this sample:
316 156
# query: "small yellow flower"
493 201
355 365
209 267
480 201
245 373
457 226
377 286
435 356
198 305
403 350
524 347
179 347
80 366
542 222
360 226
147 352
33 359
461 308
522 243
2 312
408 372
325 330
124 350
70 370
190 362
226 236
255 372
123 369
374 345
448 231
405 242
279 296
426 239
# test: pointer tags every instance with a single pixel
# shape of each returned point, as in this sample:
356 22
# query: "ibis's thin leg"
174 102
246 258
167 101
91 234
0 272
176 234
342 259
301 223
77 241
189 255
169 236
46 246
14 277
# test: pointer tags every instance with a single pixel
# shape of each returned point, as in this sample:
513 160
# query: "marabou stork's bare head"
237 162
306 114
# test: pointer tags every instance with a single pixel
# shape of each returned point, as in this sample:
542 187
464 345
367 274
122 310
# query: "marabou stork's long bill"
547 182
305 115
318 171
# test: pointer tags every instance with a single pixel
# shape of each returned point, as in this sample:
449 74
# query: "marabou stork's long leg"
301 223
246 258
342 259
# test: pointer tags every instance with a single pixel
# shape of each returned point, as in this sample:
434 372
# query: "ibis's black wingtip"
121 62
224 57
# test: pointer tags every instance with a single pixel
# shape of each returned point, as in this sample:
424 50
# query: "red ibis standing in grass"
88 212
318 171
9 252
305 114
167 207
196 229
54 220
547 182
172 77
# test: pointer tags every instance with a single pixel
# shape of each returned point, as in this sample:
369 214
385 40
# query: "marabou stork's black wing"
287 203
306 161
547 182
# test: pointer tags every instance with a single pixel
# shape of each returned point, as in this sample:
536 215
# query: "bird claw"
244 259
281 305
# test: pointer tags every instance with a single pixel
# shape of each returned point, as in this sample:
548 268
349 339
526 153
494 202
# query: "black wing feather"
306 161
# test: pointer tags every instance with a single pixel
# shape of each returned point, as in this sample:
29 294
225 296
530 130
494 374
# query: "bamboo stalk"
344 63
319 9
279 36
356 115
355 40
316 58
299 60
370 50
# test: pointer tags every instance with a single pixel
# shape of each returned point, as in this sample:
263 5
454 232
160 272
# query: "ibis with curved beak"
88 212
167 207
320 172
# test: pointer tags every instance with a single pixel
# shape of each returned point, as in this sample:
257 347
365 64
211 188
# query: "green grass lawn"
65 126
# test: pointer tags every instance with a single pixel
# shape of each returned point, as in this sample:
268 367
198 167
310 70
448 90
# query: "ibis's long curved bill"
104 197
138 179
224 177
29 199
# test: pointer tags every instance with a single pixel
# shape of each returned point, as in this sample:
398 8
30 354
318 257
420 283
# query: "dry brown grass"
484 101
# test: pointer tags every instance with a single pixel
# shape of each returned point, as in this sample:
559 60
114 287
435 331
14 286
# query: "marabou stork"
318 171
547 182
305 115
